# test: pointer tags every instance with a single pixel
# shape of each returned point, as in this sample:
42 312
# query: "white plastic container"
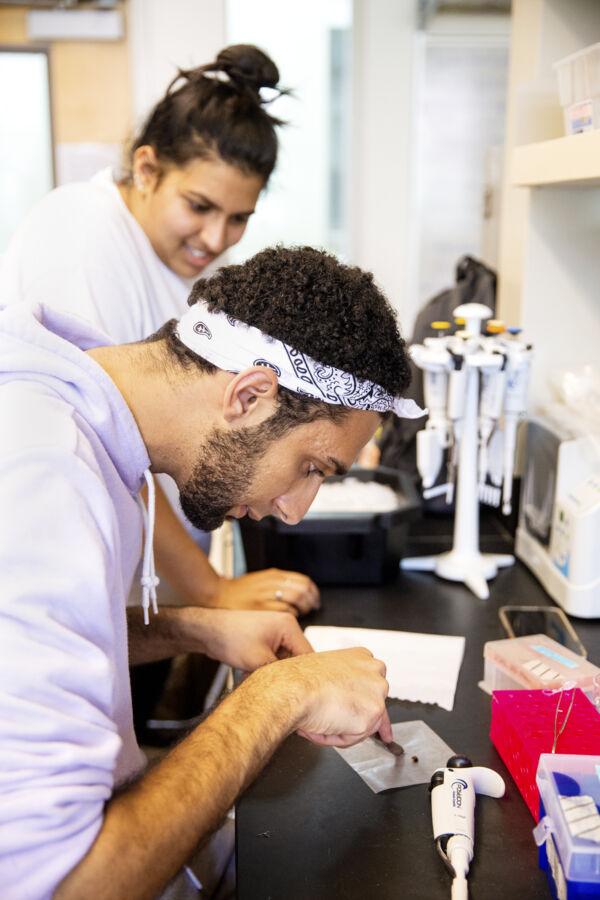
534 662
569 832
561 490
579 89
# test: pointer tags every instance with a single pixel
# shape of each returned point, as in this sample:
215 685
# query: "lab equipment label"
557 657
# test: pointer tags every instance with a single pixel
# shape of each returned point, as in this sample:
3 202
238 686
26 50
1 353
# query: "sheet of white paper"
420 667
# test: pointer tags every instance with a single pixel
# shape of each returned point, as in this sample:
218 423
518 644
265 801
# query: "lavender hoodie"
71 465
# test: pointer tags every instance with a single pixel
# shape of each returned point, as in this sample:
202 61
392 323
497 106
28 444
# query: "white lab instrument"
455 409
434 439
453 792
515 406
493 383
462 421
559 527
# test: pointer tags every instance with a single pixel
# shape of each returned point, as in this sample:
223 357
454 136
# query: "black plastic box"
358 548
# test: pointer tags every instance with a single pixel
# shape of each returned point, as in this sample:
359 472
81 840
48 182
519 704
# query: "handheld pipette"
433 440
453 791
519 359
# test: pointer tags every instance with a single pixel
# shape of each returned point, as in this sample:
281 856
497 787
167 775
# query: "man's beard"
226 467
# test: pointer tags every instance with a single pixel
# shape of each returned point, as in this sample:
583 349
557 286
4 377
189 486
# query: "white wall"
168 34
382 167
560 309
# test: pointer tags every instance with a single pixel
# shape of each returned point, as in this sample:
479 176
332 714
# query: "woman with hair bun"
123 251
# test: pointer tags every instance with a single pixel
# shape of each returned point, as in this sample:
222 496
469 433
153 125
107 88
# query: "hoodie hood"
45 345
42 344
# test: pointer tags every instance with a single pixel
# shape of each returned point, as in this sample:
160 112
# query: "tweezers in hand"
394 748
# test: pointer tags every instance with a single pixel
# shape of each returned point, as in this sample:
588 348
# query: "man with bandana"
277 375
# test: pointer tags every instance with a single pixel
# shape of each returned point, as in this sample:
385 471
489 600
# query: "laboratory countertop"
310 829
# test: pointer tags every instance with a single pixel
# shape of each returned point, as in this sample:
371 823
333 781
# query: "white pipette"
514 410
453 791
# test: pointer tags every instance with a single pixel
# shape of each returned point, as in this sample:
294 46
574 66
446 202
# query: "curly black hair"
306 298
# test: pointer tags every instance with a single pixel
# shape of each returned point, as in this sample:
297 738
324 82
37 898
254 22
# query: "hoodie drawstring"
149 579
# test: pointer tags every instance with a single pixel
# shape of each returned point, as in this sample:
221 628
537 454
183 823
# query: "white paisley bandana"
233 346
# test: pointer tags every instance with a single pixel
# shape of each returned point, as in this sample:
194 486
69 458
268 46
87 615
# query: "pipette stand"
465 562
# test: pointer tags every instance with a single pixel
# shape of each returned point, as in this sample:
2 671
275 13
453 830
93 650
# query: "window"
306 199
26 158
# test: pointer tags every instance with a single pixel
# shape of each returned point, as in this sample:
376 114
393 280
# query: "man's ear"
246 389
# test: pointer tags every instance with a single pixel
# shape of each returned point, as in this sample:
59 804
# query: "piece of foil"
424 752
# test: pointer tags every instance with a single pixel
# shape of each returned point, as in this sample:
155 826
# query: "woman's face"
195 212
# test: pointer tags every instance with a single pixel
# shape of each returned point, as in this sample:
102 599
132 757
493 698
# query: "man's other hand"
246 640
271 589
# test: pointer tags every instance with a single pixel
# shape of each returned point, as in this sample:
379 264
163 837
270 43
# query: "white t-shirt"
80 250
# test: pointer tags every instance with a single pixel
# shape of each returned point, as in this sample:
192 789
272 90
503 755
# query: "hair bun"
246 64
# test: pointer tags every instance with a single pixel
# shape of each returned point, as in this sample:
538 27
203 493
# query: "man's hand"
244 640
341 695
186 568
338 696
271 589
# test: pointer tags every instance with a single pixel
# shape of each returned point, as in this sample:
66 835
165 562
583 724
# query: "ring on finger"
279 595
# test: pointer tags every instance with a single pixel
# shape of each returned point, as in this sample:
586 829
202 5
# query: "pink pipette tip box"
523 728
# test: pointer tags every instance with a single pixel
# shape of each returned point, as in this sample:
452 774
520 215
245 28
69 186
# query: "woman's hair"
306 298
217 110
